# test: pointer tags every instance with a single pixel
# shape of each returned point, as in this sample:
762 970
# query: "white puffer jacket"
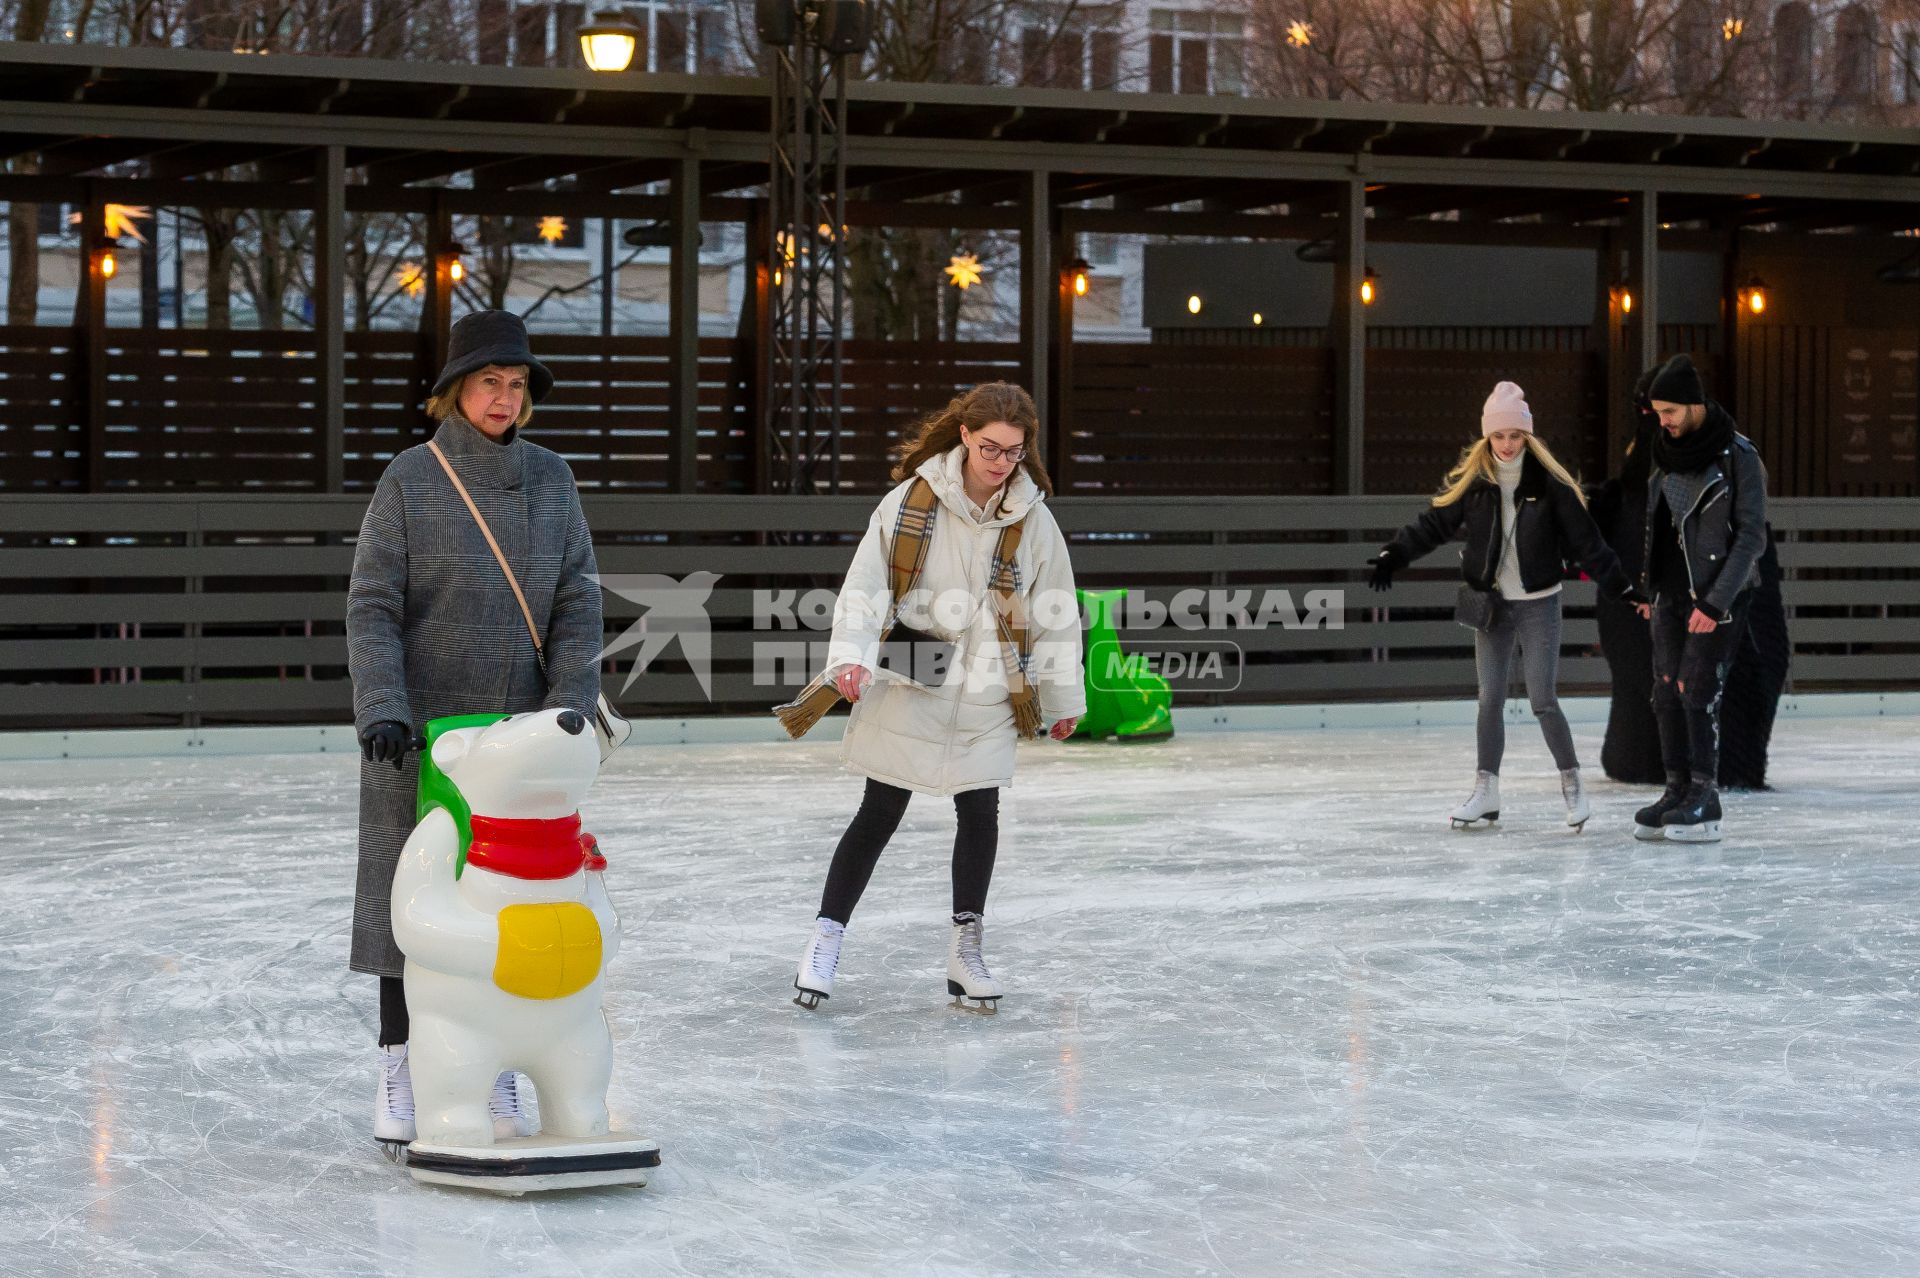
960 735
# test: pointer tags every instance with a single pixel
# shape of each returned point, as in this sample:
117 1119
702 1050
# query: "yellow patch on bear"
548 950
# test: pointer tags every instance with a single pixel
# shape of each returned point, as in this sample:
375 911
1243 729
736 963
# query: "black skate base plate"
530 1164
988 1006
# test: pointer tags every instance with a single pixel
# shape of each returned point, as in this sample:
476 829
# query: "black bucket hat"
492 337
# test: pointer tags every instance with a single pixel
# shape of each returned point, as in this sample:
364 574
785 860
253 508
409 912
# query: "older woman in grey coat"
433 629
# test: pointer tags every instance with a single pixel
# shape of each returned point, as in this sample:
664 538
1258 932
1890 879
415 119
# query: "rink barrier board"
236 698
233 554
124 743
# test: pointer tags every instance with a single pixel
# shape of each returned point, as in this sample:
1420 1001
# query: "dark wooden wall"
237 411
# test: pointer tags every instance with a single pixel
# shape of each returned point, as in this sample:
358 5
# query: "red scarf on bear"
534 849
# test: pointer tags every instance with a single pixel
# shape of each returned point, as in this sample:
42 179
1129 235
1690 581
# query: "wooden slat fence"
173 609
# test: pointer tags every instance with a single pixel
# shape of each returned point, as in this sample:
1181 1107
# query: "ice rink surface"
1267 1015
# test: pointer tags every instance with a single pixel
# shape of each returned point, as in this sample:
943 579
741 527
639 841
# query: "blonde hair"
976 409
1476 463
447 403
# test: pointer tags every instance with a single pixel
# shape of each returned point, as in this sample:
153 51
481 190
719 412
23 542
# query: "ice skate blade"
807 998
532 1164
988 1005
1705 832
394 1151
1578 827
1468 823
1649 833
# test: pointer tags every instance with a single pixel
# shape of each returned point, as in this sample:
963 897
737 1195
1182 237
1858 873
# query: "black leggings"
1689 674
394 1027
974 845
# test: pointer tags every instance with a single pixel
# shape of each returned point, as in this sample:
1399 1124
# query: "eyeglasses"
993 452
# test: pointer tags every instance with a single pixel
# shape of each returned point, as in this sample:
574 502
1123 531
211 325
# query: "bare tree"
381 250
218 230
1587 55
23 219
490 278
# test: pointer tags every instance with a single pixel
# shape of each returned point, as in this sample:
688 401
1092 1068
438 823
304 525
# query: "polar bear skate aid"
507 929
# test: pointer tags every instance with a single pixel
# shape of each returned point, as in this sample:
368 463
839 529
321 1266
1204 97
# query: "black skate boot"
1697 817
1648 821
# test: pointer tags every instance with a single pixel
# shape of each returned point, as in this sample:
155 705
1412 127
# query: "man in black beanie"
1706 532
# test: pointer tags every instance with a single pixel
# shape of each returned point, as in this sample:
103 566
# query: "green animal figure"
1125 704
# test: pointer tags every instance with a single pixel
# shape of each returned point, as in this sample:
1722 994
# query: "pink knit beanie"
1506 409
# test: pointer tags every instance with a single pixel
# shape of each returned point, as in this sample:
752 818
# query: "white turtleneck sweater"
1507 579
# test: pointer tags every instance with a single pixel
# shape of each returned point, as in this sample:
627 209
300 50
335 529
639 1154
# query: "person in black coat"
1631 749
1523 517
1706 534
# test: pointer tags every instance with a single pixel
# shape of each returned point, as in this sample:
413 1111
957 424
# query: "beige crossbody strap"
492 545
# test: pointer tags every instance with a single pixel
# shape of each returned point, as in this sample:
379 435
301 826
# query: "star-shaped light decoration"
553 229
1299 34
963 271
120 219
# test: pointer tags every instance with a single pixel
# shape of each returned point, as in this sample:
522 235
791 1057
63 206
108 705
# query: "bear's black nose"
572 722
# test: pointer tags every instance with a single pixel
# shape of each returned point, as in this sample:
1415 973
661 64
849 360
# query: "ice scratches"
1265 1014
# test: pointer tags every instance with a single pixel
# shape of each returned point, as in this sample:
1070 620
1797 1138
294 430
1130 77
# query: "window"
1793 51
493 19
547 34
710 41
1694 37
1195 52
53 219
1853 49
1083 55
680 38
1906 64
530 35
1103 60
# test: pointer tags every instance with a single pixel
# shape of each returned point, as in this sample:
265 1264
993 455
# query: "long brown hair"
976 409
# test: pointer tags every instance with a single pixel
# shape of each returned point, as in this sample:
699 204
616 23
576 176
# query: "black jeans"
975 844
1689 674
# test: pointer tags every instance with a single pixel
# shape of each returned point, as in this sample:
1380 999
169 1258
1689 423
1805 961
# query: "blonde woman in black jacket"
1523 517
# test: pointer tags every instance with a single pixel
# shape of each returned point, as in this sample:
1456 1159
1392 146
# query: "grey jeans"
1533 625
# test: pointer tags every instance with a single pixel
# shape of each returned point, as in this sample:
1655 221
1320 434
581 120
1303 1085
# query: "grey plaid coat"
433 629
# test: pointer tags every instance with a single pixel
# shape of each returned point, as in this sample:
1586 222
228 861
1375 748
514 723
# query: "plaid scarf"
906 559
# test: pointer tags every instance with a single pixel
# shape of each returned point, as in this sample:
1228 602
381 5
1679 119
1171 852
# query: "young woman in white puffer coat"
956 735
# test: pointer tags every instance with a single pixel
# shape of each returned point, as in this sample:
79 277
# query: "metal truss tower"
811 41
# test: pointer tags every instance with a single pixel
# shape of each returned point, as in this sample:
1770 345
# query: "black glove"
385 742
1384 565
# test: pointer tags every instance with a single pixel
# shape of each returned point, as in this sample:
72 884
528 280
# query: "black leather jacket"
1722 537
1551 527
